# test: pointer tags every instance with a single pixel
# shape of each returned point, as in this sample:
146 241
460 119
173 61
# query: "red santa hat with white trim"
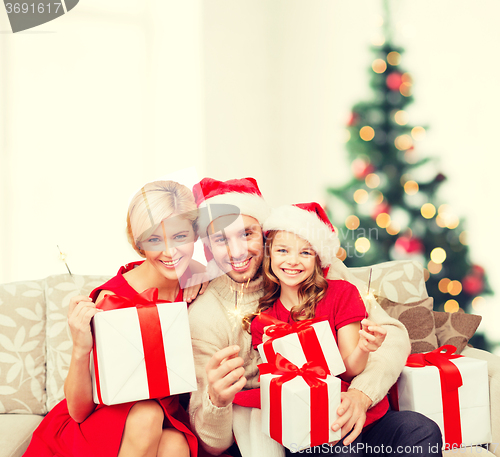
310 222
236 196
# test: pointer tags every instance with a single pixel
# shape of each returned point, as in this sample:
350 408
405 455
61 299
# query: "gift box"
451 390
142 350
304 341
298 405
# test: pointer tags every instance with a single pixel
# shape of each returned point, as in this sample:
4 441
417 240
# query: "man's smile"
241 265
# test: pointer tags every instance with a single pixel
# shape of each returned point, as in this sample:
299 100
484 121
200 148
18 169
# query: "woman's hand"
81 310
195 285
371 336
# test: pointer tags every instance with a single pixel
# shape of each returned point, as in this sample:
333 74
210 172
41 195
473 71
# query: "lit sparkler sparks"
370 298
63 257
237 314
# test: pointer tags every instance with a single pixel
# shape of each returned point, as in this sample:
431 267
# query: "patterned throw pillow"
455 328
59 289
418 319
401 281
22 348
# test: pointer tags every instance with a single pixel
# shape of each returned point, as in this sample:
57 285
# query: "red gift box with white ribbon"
298 404
450 389
142 349
304 341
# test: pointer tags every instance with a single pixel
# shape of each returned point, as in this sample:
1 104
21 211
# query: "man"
225 361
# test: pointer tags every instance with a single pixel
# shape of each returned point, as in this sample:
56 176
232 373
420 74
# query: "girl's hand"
371 336
195 285
264 336
81 310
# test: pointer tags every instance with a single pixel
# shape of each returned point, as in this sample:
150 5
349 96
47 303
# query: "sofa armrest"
494 381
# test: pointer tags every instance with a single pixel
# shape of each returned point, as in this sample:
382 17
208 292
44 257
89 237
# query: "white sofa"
35 350
35 347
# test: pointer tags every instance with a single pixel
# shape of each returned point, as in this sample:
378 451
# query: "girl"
161 226
301 243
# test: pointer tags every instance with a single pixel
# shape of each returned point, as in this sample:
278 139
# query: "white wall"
281 78
118 93
93 105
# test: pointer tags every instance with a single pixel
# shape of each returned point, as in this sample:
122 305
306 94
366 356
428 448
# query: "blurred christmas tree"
394 211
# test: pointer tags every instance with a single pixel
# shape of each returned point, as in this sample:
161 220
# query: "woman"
161 226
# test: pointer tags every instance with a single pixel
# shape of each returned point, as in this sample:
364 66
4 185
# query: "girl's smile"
292 272
292 259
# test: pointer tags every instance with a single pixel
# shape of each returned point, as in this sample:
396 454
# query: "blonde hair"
154 202
311 290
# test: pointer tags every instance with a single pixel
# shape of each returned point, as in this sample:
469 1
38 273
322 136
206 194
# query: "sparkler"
370 298
63 257
237 314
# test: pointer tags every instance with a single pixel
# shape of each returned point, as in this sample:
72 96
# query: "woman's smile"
171 263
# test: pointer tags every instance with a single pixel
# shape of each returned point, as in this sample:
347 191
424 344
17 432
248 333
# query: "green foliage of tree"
392 183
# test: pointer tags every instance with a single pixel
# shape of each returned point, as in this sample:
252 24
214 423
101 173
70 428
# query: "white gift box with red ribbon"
298 406
304 341
141 351
459 405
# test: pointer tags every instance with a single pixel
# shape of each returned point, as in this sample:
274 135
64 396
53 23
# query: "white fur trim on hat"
307 225
249 205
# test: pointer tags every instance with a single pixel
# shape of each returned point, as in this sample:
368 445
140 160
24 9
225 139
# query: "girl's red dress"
100 435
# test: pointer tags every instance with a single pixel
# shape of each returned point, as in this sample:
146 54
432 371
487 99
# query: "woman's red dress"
100 435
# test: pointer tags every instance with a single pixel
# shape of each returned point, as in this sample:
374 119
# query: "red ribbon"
306 333
147 298
451 380
152 339
310 372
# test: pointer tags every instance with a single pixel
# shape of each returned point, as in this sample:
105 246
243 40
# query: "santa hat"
309 221
221 198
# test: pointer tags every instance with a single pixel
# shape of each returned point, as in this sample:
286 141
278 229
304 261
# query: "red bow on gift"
152 339
279 328
451 380
311 372
304 330
440 358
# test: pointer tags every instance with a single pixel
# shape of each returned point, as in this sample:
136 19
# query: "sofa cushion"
59 289
418 319
400 281
22 348
16 433
455 328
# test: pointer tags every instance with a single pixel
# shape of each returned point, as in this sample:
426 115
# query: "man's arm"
212 424
219 375
372 384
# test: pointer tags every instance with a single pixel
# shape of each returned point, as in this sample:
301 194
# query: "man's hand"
352 414
225 376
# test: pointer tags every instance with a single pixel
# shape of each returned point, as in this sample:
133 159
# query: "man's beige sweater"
215 321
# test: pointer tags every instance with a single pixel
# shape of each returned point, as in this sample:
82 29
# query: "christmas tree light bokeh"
394 208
